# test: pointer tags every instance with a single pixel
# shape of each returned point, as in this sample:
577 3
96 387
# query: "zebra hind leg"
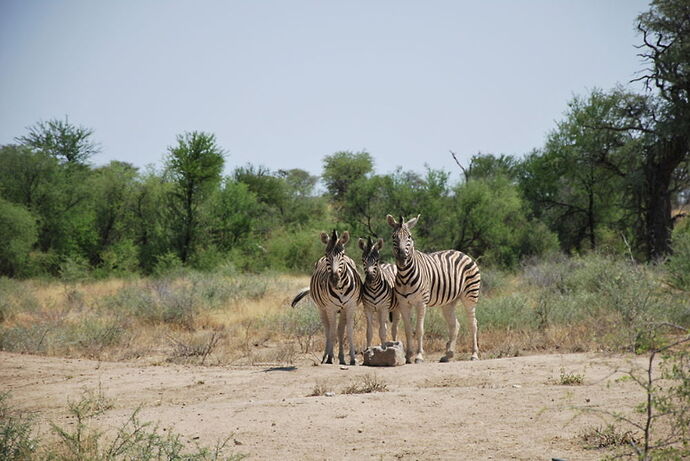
453 328
472 323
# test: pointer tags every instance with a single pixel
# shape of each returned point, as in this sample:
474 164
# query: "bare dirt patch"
511 408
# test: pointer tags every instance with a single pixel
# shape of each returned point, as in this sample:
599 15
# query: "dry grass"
366 384
565 305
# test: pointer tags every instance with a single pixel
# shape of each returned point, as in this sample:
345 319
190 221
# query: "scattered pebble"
329 394
517 386
343 367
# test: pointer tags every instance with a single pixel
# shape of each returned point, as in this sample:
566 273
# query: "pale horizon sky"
283 84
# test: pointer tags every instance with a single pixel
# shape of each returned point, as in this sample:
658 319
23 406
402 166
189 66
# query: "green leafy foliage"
18 234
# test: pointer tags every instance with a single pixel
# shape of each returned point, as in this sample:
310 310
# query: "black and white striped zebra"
436 279
335 288
378 291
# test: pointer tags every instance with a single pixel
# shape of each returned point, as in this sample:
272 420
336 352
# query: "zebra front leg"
341 336
421 312
383 323
395 318
370 326
472 323
406 314
453 328
350 318
328 319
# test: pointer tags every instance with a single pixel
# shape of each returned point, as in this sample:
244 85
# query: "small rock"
344 367
517 386
329 394
390 354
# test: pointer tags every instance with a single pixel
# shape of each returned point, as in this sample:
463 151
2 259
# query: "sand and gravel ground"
511 408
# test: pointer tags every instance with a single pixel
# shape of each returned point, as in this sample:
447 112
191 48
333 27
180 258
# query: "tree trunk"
659 170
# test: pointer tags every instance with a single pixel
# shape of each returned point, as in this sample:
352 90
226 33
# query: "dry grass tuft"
366 384
607 437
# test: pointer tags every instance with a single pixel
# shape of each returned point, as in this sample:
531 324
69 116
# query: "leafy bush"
678 263
14 298
512 312
16 439
18 233
302 323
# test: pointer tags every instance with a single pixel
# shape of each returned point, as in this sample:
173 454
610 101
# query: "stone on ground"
391 354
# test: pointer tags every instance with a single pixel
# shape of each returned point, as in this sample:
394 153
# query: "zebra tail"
304 292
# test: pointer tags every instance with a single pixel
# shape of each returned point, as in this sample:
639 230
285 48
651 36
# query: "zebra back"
439 278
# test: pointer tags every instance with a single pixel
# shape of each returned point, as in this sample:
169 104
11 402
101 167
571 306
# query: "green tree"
17 236
342 169
62 140
665 47
113 192
577 183
235 211
194 165
26 175
489 220
152 233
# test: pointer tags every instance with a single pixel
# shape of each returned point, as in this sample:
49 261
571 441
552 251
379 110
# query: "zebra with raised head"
436 279
335 288
378 294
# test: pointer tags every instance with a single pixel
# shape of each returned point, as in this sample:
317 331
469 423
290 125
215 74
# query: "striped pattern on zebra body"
336 289
436 279
378 294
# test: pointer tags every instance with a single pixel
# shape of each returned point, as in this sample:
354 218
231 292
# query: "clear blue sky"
284 83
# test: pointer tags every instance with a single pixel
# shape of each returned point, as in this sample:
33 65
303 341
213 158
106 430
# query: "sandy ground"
511 408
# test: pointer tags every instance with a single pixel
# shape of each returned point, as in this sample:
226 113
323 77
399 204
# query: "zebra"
377 293
435 279
336 288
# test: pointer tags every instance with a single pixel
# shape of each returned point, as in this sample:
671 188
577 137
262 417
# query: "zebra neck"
408 264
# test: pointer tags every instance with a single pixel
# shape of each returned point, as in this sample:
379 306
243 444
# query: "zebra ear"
361 243
344 238
391 222
412 222
379 244
324 238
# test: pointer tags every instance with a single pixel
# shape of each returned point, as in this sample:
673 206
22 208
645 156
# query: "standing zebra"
336 288
378 294
436 279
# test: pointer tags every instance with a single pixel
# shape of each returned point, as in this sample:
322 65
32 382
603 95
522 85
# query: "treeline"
614 174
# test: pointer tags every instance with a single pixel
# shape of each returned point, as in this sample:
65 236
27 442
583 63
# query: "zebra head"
335 257
371 257
403 245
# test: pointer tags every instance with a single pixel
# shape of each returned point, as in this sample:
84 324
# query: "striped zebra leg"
350 318
383 314
341 337
406 314
330 328
370 326
395 318
453 328
421 313
472 324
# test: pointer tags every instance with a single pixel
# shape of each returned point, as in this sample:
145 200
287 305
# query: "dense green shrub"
18 233
678 263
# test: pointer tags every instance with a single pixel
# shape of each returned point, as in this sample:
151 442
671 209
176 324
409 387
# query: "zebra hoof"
444 359
418 360
474 357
